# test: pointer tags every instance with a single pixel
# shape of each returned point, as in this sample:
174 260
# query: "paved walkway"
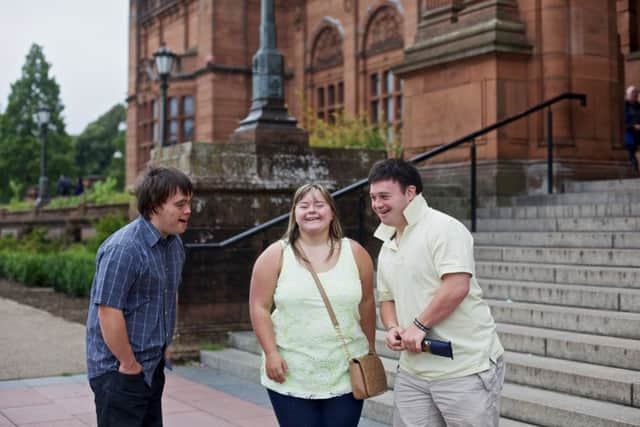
68 402
33 343
193 397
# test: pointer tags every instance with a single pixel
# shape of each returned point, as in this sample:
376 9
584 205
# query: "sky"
86 43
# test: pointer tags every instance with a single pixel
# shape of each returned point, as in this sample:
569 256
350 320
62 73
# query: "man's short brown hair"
157 185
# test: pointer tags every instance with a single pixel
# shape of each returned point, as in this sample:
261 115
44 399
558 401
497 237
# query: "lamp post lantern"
164 59
42 117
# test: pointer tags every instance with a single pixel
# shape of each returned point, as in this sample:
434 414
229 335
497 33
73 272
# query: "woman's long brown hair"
293 231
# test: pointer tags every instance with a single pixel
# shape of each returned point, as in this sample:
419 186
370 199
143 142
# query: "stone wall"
238 186
475 62
76 222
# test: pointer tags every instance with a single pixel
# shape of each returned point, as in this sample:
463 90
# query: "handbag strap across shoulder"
325 299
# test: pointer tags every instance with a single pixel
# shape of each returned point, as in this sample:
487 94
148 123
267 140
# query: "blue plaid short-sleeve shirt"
138 272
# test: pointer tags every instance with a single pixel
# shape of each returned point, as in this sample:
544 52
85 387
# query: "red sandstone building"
435 69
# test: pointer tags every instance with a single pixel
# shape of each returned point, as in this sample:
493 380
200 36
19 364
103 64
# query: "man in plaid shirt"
132 309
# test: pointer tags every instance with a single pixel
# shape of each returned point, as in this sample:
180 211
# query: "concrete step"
549 408
543 407
380 408
457 207
560 224
576 256
605 185
608 197
597 322
588 239
247 366
595 349
561 211
597 297
558 273
577 378
561 344
234 362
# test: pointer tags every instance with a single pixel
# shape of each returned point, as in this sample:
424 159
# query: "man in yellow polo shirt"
427 288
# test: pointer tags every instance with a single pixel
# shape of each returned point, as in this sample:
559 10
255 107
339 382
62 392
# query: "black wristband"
420 326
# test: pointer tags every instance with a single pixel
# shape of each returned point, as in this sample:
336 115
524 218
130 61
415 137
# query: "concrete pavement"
33 343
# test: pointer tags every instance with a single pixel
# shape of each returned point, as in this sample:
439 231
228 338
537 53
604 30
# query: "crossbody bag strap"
325 299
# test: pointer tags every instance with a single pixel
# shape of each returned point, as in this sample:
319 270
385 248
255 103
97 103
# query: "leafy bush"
36 260
343 131
69 271
18 205
35 241
8 242
24 267
104 228
100 193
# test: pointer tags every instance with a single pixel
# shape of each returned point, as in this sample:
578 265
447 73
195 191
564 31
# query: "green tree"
19 146
116 166
99 141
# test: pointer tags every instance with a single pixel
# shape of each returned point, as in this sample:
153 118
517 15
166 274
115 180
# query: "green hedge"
70 271
35 260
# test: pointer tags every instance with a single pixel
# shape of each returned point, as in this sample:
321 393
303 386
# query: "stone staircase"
562 276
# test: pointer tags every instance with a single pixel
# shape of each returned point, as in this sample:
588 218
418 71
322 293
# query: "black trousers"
127 401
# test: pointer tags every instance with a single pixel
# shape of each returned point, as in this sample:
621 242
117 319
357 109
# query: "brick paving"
34 343
193 397
68 402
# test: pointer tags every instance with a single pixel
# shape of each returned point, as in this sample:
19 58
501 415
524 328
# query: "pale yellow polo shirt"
434 244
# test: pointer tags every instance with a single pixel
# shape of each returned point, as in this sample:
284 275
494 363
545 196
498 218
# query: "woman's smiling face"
313 213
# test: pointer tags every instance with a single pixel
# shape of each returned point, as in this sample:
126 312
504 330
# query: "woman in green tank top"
305 364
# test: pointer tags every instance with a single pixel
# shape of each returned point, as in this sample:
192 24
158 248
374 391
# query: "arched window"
327 75
383 48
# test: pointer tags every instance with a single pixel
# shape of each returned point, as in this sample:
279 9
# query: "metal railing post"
474 195
549 151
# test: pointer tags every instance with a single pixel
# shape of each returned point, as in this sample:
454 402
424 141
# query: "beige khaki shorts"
471 401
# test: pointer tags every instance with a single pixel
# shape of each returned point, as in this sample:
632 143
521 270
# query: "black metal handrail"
425 156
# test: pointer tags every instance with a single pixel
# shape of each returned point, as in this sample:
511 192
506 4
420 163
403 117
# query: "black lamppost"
164 62
42 117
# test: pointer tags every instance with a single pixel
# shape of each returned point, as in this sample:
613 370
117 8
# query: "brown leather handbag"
367 374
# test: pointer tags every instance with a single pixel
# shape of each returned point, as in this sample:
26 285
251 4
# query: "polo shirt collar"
412 213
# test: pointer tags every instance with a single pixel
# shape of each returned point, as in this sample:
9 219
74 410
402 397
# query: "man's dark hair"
404 173
157 186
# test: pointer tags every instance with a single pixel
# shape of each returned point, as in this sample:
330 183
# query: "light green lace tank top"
316 358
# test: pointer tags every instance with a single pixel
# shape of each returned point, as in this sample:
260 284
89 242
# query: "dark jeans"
127 401
341 411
